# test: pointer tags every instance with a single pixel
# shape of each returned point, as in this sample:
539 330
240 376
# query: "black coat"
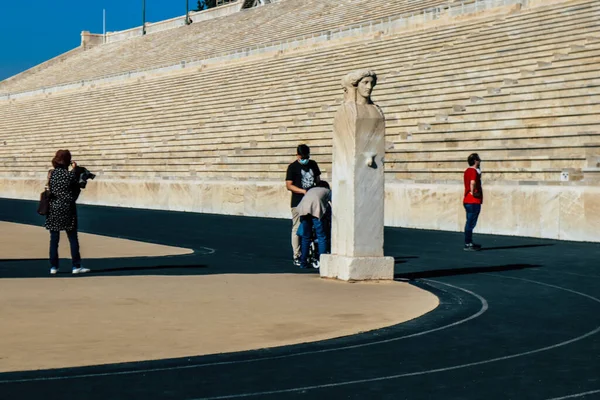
62 215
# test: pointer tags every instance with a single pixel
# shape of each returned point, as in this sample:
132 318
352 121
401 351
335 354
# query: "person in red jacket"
473 199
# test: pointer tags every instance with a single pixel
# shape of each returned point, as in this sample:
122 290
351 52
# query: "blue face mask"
303 161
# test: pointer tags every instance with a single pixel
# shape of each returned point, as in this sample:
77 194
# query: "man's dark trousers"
473 211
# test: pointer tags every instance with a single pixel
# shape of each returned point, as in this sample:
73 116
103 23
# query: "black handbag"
44 204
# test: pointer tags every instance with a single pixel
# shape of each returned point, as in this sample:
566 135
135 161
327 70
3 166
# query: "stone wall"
562 211
91 39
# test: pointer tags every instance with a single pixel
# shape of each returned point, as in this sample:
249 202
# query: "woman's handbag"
44 204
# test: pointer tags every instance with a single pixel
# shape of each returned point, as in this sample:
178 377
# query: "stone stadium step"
480 134
157 49
506 123
545 102
497 177
529 157
576 147
546 42
565 138
492 166
532 152
425 176
497 170
233 140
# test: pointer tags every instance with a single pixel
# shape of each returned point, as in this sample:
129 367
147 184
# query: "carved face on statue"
365 87
358 86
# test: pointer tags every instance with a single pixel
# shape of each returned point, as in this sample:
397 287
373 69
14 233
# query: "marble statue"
358 186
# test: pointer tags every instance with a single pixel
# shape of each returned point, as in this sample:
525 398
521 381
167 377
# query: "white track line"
454 367
483 309
573 396
569 273
208 250
547 284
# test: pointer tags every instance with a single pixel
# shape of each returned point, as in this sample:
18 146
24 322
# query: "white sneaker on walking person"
80 270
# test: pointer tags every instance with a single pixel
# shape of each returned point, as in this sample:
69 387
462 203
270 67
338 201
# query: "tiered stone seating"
522 91
529 111
271 23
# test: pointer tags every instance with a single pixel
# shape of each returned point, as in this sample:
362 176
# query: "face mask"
303 161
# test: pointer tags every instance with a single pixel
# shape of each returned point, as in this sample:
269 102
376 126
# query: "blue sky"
33 31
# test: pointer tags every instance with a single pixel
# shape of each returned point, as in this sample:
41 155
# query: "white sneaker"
80 270
53 271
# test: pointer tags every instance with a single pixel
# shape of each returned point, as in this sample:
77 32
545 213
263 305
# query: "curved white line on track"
454 367
573 396
207 249
546 284
569 273
483 309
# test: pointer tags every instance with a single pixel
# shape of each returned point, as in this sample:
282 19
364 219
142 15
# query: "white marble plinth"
358 181
356 268
358 196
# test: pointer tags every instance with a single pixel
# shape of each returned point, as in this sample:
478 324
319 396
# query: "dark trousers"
73 241
309 222
473 211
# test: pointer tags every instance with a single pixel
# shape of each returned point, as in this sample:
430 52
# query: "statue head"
358 86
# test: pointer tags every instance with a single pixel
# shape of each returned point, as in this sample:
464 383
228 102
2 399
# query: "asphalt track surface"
519 320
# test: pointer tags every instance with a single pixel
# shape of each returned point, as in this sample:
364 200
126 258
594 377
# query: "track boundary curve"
484 307
450 368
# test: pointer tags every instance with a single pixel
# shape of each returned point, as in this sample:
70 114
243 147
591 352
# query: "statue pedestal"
358 196
356 268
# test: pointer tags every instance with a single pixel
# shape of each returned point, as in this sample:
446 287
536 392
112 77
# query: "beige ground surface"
18 241
60 322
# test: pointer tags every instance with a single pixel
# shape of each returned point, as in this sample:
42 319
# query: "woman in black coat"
62 215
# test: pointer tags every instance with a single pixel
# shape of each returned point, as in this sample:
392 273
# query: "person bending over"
314 210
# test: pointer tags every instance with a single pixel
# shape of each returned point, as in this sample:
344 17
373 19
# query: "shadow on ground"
248 245
522 246
436 273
